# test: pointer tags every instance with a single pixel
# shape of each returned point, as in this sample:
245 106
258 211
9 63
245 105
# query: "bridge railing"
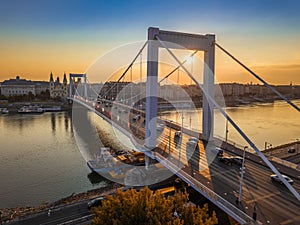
285 163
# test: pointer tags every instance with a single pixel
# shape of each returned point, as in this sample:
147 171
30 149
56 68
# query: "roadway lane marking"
262 198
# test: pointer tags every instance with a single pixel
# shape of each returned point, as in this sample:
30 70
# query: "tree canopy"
148 208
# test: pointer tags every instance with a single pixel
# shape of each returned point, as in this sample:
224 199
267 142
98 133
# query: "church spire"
51 77
65 78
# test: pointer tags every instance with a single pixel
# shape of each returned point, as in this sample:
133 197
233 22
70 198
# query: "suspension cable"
169 74
212 100
259 78
130 65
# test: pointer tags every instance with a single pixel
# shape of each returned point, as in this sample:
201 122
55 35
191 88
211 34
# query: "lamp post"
170 121
268 145
242 175
226 137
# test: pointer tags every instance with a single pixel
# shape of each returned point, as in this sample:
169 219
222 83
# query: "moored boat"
52 109
30 109
4 111
107 163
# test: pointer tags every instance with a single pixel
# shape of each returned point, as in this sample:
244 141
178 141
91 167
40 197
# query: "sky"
68 35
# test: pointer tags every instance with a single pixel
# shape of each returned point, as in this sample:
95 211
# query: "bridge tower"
182 40
71 83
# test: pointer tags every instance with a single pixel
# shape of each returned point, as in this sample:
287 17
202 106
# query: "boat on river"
115 163
30 109
52 109
4 111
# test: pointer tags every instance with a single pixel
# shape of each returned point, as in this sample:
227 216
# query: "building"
58 89
13 87
41 86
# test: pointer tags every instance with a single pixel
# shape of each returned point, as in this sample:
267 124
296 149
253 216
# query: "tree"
144 207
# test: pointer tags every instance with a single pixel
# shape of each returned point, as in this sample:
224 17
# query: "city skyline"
68 36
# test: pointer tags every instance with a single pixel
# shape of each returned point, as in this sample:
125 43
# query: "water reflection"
66 117
95 178
39 159
277 122
86 134
53 122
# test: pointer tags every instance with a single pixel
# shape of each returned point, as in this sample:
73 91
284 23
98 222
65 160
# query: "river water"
275 123
40 160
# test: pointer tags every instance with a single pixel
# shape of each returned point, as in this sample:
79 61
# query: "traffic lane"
269 197
263 194
257 181
56 215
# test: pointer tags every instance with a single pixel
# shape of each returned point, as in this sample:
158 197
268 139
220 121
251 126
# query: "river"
41 162
275 123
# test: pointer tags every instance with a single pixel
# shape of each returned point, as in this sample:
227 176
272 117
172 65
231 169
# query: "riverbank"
20 212
15 106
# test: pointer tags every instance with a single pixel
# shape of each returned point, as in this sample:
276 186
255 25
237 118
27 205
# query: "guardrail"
285 163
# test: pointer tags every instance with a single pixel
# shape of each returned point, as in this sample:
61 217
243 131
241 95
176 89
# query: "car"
194 139
191 145
160 127
136 118
220 152
291 150
237 160
225 159
178 134
96 202
274 177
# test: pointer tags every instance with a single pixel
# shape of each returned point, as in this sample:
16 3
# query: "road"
59 215
274 203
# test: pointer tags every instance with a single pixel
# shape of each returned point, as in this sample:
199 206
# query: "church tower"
65 82
51 83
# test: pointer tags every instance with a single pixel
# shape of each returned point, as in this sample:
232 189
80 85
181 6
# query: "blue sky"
102 25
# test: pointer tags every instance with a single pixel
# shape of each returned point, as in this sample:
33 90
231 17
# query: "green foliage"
144 207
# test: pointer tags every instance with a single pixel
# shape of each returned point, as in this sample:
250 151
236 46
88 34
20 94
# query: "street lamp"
267 145
226 137
242 175
170 121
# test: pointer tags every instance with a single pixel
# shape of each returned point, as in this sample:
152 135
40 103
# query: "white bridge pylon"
182 40
73 75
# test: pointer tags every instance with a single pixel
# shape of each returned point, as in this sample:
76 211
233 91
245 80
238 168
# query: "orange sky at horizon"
35 61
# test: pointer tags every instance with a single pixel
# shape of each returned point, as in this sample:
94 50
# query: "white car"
274 177
194 139
160 127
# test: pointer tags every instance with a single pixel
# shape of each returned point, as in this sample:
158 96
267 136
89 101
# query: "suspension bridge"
132 108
